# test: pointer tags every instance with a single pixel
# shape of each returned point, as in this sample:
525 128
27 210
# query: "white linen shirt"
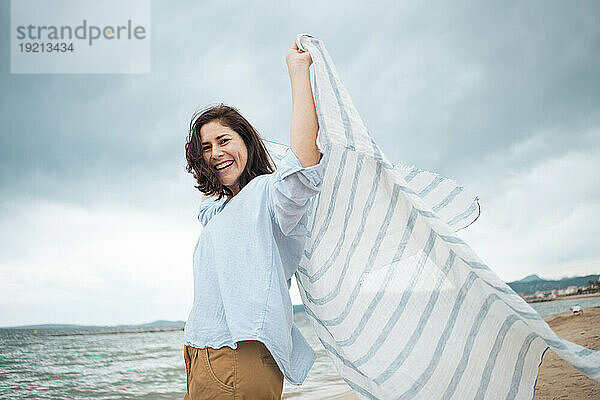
244 259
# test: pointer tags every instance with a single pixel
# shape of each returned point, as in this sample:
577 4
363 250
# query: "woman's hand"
297 59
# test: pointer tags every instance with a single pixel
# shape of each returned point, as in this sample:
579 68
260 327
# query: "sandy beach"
558 380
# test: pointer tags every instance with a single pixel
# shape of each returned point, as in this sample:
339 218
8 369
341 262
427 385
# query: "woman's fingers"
295 47
295 56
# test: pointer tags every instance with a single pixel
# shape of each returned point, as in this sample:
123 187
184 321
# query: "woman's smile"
224 166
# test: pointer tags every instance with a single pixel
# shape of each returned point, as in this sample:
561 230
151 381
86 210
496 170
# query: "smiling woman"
240 339
219 134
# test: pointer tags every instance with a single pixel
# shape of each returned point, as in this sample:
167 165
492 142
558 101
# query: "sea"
142 361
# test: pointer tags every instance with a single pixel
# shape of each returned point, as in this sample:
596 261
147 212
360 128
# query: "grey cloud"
480 92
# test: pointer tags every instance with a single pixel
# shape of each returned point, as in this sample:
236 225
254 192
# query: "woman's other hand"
296 58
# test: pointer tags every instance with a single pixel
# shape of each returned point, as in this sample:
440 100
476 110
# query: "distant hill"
163 323
532 283
45 326
531 278
157 324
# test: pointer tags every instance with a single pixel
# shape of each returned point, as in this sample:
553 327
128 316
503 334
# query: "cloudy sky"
98 216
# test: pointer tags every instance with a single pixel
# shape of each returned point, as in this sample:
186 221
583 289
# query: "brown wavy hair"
259 160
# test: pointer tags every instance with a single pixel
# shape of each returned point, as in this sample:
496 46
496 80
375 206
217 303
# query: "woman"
240 339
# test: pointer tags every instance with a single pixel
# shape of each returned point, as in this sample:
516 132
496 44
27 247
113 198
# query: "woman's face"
225 151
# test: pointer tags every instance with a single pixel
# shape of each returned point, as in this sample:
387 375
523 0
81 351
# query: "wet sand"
558 380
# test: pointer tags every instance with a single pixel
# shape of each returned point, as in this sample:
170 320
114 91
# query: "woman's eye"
224 141
205 148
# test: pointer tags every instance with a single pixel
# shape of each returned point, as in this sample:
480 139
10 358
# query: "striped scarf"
403 306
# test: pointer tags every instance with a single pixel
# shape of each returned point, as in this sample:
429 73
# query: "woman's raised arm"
304 125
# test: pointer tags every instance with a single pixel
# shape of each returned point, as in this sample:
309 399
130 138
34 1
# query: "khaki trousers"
248 372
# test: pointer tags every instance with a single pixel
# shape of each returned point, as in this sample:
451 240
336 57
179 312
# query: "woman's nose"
217 153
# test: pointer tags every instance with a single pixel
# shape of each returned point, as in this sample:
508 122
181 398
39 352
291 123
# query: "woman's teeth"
223 166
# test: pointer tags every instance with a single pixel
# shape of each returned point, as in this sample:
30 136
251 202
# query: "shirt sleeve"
208 208
290 188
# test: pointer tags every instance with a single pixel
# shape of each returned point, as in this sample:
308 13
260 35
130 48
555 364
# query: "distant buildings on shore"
545 295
